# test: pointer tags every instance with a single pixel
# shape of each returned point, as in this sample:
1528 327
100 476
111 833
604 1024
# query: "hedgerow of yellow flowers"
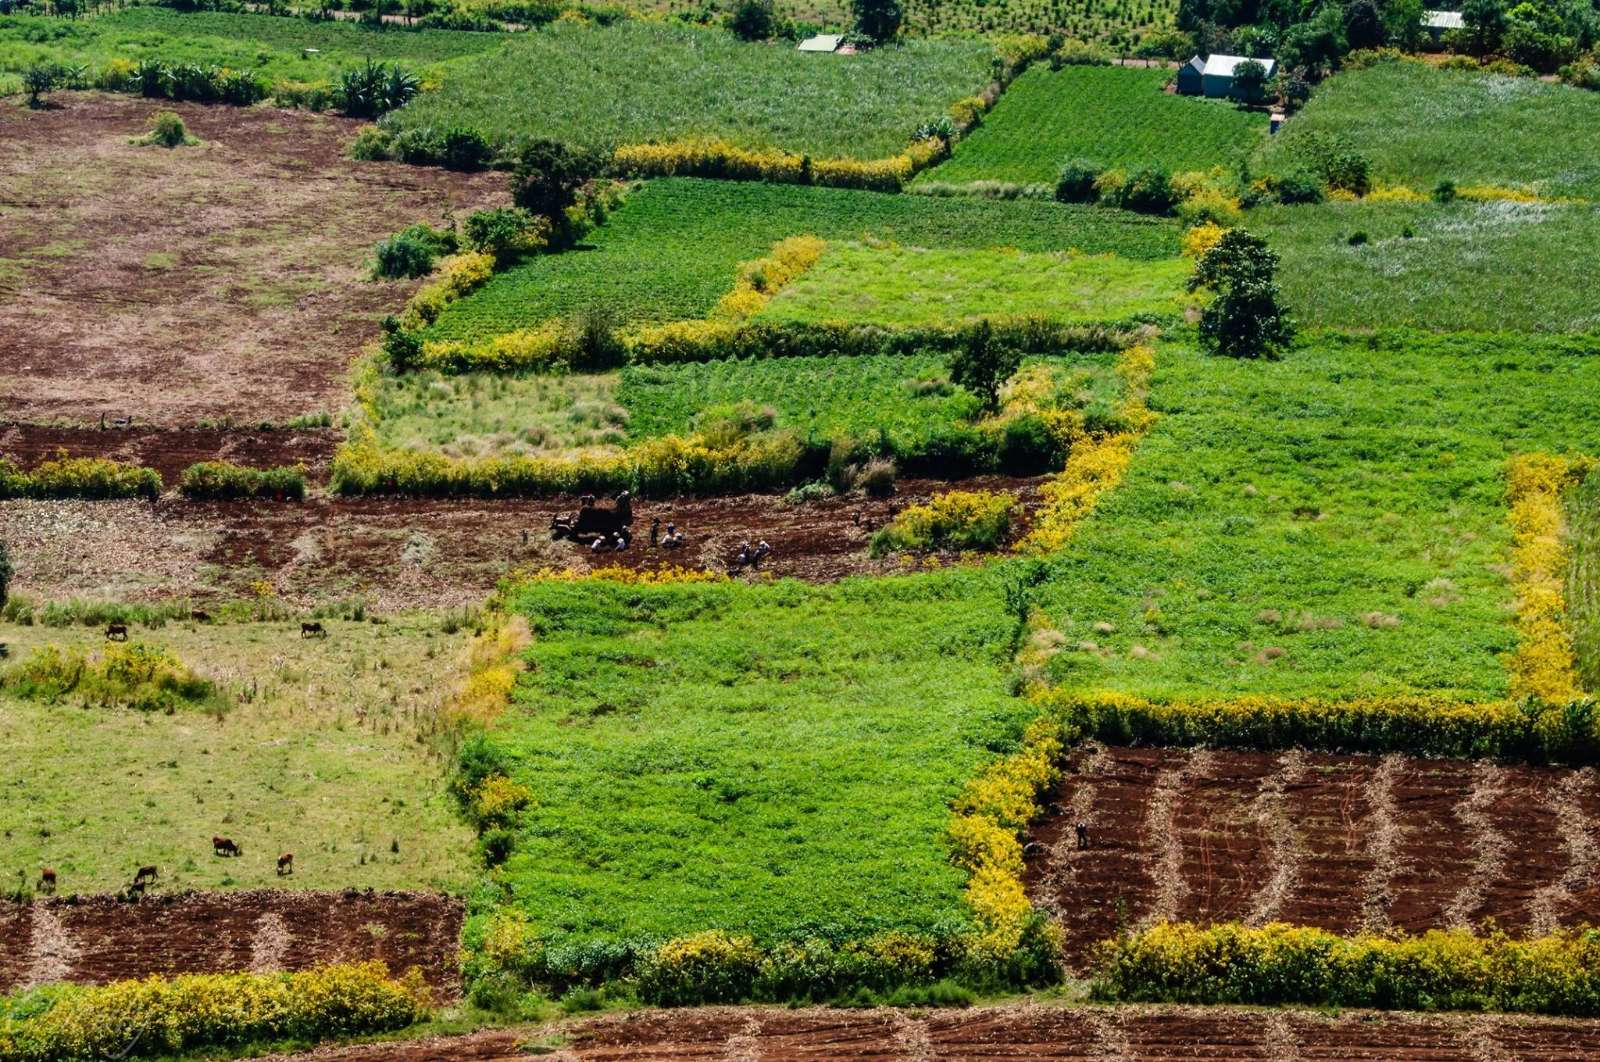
538 348
165 1016
618 573
456 276
1542 667
1201 238
719 158
760 280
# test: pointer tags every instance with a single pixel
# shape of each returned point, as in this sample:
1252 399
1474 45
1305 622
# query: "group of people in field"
609 529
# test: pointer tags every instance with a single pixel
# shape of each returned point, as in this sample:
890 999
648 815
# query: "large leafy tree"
546 178
1246 319
878 19
983 362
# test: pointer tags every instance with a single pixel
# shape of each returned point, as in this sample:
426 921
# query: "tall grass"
1583 578
632 82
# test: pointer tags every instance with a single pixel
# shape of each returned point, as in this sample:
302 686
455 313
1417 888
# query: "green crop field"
1420 126
674 247
268 45
908 286
1344 507
1583 578
634 82
1474 266
1111 115
318 755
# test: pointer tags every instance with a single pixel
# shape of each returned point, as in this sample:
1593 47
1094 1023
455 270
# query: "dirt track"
98 939
400 553
221 280
1143 1034
1343 842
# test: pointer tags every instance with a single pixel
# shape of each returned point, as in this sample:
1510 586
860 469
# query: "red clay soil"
1130 1034
400 553
171 450
97 939
221 280
1340 842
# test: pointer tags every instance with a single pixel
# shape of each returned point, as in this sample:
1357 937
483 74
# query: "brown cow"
146 873
47 880
313 629
224 846
116 632
286 864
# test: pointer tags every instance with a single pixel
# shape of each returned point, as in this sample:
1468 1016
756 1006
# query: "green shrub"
1246 318
1300 186
132 675
753 20
1444 192
410 253
375 88
508 233
1148 191
7 570
372 145
1076 184
94 478
167 130
215 480
465 150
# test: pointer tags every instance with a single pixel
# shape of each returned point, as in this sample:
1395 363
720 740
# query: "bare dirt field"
171 450
94 940
1341 842
403 553
226 280
1104 1034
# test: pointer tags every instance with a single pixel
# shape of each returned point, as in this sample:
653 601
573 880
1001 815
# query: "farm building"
1438 23
1191 81
1213 77
822 42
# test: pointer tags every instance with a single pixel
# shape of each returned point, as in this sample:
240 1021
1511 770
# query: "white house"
822 42
1217 76
1438 23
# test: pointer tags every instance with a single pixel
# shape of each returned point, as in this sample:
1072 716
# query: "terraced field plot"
1583 578
909 286
674 247
1342 842
1115 116
633 82
1420 125
1471 266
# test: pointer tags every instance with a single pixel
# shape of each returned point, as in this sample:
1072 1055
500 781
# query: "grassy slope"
1420 125
1471 266
674 247
760 757
636 81
473 414
1583 578
1111 115
264 44
291 770
907 286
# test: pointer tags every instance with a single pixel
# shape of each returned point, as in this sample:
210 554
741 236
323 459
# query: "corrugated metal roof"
1220 65
1447 20
822 42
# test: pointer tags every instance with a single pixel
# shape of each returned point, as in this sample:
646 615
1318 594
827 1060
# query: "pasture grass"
1583 578
674 247
1116 116
324 753
1465 266
479 414
267 45
633 82
1420 125
912 286
771 758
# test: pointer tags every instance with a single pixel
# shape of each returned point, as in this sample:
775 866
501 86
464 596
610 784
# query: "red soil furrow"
98 939
1107 887
1533 847
1436 858
1084 1034
1330 812
1227 858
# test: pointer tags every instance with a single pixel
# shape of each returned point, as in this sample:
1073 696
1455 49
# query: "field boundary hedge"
1282 964
163 1016
1544 666
90 478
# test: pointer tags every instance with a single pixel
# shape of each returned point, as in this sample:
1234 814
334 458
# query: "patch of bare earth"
1134 1034
223 280
402 553
1340 842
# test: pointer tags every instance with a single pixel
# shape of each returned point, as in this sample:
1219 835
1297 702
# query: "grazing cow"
286 864
313 629
1083 834
146 873
133 891
47 880
224 846
116 632
200 615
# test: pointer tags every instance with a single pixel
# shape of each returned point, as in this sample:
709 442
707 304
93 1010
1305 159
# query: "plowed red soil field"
221 280
171 450
93 940
1342 842
400 553
1104 1034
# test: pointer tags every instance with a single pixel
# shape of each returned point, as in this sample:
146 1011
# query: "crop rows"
1115 116
634 82
1583 579
674 247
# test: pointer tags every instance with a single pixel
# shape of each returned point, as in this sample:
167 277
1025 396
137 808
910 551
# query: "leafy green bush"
957 520
94 478
375 88
465 150
1147 191
1076 183
372 145
508 233
213 480
1246 319
1299 186
753 20
167 130
132 675
410 253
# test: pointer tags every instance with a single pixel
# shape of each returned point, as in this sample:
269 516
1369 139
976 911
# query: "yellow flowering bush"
708 967
1201 238
540 349
78 477
1394 193
159 1016
457 275
760 280
955 520
133 675
498 799
719 158
618 573
1278 964
1542 667
493 660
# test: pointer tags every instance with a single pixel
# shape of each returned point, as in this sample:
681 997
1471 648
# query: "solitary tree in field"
982 363
546 179
754 20
878 19
38 80
1246 319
